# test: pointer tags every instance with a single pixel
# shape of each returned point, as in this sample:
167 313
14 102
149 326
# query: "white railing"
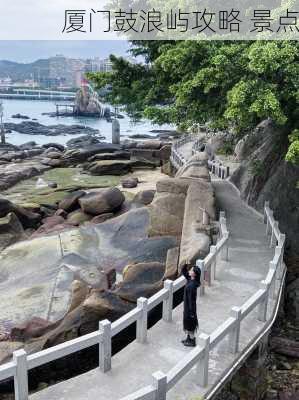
20 365
218 169
22 362
231 327
177 159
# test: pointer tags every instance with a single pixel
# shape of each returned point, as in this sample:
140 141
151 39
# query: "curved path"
237 279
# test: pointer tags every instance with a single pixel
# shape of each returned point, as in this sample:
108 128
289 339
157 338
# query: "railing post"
264 304
168 303
227 172
281 241
201 264
141 334
105 345
160 383
213 250
203 363
267 205
21 375
273 240
224 251
268 229
223 172
221 214
273 267
234 336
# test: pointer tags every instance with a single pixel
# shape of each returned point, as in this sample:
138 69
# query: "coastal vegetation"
229 85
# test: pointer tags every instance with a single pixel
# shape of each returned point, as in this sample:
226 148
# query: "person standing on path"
190 321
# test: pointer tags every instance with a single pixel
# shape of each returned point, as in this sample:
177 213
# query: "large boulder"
81 152
27 218
196 237
105 201
35 327
144 197
78 217
101 218
172 261
11 230
173 185
110 167
149 144
117 155
141 280
70 202
167 214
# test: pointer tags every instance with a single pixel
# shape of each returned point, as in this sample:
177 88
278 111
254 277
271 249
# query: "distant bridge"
38 94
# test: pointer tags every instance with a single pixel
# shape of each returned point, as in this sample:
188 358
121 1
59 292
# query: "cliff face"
264 175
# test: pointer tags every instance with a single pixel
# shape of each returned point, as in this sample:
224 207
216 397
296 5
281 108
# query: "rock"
141 280
284 366
165 152
28 145
70 202
129 144
33 207
106 200
173 185
80 292
54 154
101 218
81 152
141 136
57 146
48 293
35 128
11 230
52 185
44 230
110 167
129 183
50 222
117 155
195 240
55 163
30 329
61 213
240 149
78 217
144 197
27 218
149 144
20 116
271 395
285 346
172 261
167 214
83 141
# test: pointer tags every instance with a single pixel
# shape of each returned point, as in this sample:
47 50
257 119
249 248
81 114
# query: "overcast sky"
28 51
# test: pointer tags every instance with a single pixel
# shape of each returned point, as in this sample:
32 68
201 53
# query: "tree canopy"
229 85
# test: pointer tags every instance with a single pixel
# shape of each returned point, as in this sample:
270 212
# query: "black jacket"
190 294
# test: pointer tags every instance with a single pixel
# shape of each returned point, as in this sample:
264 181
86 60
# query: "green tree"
226 84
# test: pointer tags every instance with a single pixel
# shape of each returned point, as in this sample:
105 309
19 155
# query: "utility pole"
2 130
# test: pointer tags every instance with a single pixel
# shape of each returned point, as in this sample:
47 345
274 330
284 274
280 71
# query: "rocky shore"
94 251
35 128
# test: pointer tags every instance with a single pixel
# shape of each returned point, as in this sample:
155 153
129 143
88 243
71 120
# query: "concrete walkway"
237 280
186 150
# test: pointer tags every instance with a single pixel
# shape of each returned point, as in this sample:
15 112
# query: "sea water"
34 109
